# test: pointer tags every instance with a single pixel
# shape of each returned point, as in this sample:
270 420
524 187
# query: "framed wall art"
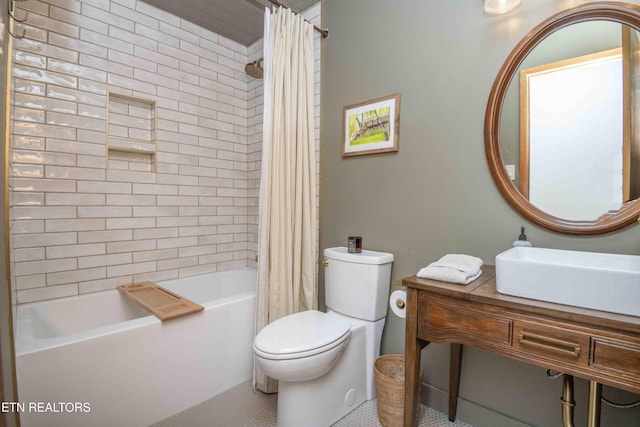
371 126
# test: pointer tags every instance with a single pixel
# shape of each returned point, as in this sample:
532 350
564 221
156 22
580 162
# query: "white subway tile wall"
78 227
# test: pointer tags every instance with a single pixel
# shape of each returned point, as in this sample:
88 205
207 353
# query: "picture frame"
372 126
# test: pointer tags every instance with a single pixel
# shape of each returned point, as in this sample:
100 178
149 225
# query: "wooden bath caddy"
162 303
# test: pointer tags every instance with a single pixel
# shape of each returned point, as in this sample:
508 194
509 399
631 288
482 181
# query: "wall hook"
14 35
14 17
11 10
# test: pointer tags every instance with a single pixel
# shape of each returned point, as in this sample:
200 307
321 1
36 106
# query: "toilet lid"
301 333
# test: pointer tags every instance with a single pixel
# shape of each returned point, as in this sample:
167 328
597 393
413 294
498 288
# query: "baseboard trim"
468 412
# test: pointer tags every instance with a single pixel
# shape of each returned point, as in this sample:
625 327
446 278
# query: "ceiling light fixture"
498 7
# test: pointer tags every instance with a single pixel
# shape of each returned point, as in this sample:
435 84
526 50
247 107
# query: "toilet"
324 361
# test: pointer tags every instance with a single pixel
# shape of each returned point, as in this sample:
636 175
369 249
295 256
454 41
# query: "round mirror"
561 136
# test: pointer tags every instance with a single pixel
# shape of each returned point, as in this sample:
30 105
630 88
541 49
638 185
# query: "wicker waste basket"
389 375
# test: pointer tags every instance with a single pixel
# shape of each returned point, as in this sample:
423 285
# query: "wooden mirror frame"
623 13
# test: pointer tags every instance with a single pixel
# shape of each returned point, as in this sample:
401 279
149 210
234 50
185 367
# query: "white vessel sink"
600 281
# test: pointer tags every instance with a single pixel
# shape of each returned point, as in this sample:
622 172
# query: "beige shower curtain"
287 215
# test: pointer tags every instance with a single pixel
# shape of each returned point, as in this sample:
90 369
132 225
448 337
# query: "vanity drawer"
441 321
613 355
557 343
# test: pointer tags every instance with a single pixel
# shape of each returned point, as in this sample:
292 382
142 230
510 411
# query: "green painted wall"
436 195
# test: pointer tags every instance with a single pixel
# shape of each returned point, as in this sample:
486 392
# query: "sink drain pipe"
595 400
568 403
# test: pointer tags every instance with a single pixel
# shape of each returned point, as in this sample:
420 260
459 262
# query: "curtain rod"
323 33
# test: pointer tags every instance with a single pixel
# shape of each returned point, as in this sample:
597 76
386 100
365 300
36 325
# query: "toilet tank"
357 284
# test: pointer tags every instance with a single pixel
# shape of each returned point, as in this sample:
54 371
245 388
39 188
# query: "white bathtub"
101 360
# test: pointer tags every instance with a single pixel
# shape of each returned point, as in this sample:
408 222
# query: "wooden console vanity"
601 347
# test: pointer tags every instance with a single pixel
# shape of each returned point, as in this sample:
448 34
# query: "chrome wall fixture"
498 7
13 18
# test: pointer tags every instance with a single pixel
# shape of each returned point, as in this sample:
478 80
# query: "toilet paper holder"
398 303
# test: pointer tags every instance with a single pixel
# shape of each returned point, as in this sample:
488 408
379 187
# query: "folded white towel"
466 263
455 268
445 274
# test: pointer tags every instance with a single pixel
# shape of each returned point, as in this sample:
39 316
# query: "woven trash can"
389 375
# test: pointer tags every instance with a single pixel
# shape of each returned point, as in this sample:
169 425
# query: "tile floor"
241 407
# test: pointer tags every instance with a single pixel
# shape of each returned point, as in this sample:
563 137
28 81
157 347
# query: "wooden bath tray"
162 303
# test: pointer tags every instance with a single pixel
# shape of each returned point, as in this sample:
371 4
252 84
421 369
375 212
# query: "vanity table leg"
455 365
595 402
413 349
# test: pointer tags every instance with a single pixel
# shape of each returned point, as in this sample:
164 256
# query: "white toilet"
324 361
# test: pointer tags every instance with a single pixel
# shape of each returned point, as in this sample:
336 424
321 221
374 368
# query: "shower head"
254 69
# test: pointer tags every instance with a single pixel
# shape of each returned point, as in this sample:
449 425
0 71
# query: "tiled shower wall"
78 227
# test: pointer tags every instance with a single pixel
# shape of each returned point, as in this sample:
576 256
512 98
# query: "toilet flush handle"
325 262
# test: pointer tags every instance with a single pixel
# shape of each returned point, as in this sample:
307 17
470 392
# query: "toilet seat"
302 334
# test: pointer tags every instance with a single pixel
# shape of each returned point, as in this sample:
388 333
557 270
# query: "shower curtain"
287 214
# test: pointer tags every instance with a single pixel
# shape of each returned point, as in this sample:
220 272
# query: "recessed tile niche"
131 133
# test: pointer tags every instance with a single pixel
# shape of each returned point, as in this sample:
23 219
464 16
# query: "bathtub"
101 360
